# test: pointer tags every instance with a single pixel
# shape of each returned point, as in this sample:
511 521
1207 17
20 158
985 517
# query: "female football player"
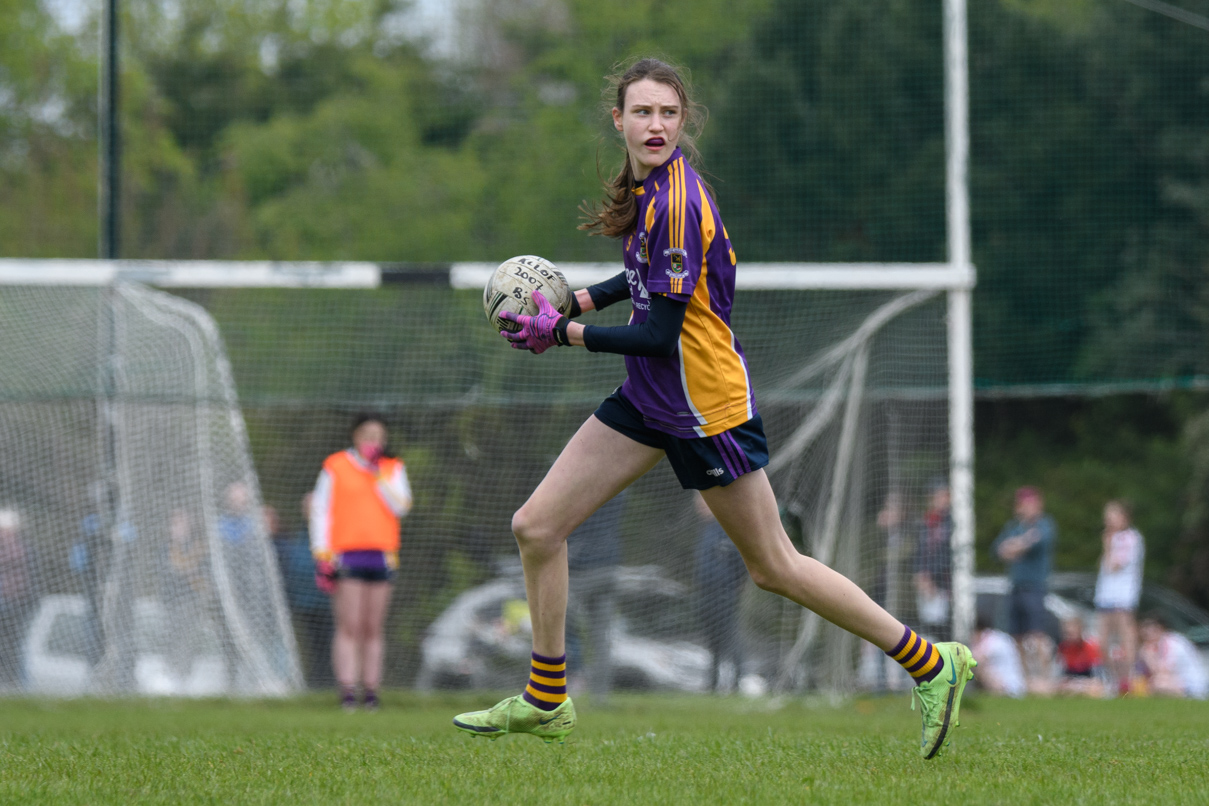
688 397
358 500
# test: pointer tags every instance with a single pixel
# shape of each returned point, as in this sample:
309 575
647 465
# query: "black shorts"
366 566
1026 610
700 462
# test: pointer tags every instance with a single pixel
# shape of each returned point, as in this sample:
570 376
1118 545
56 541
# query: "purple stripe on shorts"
363 560
726 459
742 456
736 455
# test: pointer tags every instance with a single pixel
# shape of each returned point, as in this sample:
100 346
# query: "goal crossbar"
363 275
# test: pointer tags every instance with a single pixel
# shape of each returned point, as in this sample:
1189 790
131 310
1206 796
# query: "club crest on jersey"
642 254
677 255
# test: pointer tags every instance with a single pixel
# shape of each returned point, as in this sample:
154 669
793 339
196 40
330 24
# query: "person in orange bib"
359 498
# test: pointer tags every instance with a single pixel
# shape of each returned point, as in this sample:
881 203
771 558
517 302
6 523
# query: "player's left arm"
395 490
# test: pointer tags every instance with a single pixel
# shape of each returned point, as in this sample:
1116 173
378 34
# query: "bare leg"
596 465
747 510
374 604
348 602
1129 643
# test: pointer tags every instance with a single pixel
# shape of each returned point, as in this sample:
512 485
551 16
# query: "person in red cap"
1026 546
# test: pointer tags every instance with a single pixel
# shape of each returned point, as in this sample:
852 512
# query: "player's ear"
616 118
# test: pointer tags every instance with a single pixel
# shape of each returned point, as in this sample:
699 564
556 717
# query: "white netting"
852 386
138 559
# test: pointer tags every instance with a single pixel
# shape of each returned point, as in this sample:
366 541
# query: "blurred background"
430 132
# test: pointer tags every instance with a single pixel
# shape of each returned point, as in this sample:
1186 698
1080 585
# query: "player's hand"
538 333
325 576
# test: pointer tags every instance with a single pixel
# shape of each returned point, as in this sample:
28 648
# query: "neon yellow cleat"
516 715
940 697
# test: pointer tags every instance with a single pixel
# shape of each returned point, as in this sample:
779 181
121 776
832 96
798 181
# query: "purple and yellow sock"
547 687
917 656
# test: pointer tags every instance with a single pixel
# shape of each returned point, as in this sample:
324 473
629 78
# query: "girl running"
687 396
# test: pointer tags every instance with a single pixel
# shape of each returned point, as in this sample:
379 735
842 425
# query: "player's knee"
533 532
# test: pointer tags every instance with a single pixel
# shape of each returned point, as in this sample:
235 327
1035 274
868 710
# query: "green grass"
646 750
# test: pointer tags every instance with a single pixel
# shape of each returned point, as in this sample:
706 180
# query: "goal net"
135 558
161 494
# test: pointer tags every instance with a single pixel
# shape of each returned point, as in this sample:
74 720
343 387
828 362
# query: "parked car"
59 637
478 642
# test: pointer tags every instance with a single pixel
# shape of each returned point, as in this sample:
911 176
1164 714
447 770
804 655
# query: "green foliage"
652 749
1082 453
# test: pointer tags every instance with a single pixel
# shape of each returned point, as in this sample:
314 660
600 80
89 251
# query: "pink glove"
538 333
325 577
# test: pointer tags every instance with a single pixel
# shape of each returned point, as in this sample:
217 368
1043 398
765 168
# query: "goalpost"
863 373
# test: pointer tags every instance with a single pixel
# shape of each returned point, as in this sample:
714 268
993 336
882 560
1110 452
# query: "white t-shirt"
1175 660
996 653
1120 589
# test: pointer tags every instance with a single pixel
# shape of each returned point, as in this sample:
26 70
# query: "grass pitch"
643 749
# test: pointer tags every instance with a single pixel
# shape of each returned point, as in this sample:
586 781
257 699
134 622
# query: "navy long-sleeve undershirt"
656 337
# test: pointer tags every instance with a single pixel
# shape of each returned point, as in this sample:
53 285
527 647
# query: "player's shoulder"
680 191
335 458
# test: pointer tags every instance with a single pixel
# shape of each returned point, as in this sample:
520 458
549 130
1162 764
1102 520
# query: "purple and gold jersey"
682 250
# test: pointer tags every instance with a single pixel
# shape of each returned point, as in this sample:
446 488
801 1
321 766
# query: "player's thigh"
747 510
597 464
349 604
375 601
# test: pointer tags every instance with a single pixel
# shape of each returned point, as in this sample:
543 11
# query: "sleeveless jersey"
349 511
681 249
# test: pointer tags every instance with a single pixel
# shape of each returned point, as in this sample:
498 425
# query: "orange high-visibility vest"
360 519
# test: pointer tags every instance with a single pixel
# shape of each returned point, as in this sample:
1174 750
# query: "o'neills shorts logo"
677 256
642 255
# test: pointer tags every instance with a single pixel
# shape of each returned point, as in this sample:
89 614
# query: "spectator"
1170 662
359 497
999 667
1026 545
1118 588
719 576
311 608
593 554
1080 661
185 585
16 595
237 526
934 563
877 671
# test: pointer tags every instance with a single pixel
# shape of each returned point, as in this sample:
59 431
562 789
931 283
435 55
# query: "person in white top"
1118 588
999 668
1173 666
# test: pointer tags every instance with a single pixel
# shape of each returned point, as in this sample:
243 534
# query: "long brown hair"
617 215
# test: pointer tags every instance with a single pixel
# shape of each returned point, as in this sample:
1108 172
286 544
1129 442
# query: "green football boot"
516 715
940 698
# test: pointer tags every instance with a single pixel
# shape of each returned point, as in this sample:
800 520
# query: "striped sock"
917 656
547 687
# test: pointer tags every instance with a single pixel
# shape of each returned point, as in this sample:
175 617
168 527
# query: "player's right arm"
321 518
600 296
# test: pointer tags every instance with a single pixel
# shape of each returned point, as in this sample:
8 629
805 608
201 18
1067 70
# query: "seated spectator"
1170 663
999 667
1038 654
1080 661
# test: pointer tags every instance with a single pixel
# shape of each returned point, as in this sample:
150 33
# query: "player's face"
650 123
369 438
